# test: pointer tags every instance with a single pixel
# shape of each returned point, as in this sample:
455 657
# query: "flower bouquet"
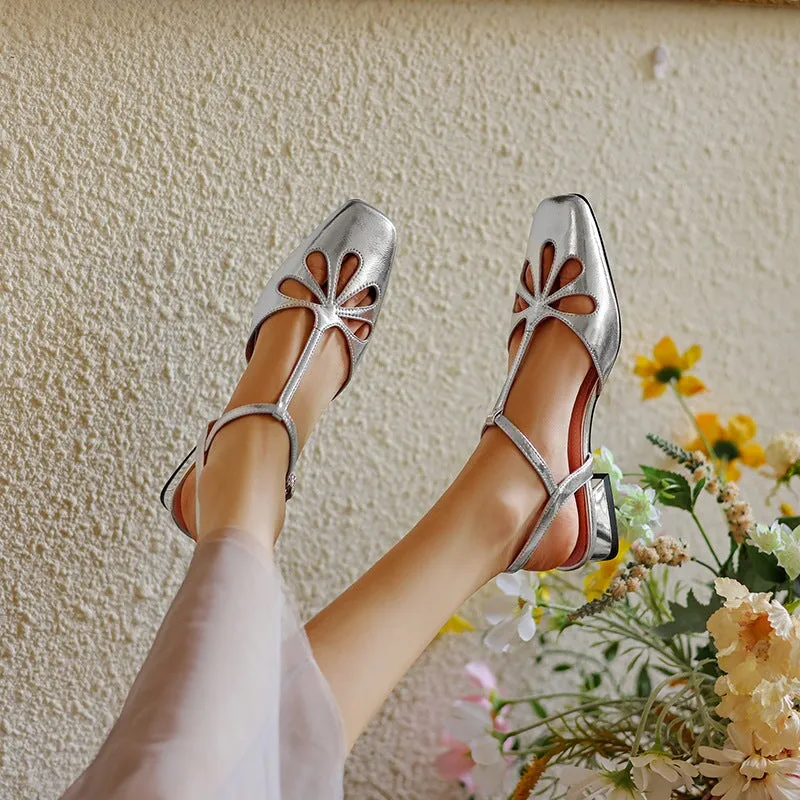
661 688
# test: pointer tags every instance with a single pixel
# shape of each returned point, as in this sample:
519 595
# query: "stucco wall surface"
157 160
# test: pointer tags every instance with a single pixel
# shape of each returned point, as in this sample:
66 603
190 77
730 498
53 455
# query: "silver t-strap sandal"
569 225
354 229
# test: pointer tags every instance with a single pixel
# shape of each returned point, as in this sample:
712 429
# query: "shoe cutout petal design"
356 228
569 225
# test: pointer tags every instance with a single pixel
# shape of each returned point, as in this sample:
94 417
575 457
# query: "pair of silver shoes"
568 225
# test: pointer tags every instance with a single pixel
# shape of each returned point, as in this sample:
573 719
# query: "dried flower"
531 773
730 491
648 556
618 588
596 583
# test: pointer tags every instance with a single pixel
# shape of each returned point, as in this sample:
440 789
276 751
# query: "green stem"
568 712
707 540
700 434
703 564
502 701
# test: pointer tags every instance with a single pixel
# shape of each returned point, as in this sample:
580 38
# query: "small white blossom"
493 773
658 775
611 782
511 613
781 541
637 513
604 462
783 452
770 538
789 555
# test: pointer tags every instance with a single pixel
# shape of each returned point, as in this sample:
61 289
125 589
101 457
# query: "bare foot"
541 405
280 342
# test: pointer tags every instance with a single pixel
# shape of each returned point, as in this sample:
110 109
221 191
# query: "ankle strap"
279 412
559 493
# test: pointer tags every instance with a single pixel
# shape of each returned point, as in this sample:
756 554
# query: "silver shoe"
355 228
568 223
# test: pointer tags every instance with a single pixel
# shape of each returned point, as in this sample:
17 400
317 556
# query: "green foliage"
791 522
591 682
759 572
675 452
792 472
610 652
539 709
644 685
671 489
690 618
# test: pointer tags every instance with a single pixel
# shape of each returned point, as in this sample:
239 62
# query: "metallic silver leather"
569 225
354 228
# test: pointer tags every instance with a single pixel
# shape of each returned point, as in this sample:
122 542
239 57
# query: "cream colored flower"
755 637
658 774
743 772
769 712
783 452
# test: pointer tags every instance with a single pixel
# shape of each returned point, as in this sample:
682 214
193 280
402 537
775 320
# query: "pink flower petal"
480 674
455 764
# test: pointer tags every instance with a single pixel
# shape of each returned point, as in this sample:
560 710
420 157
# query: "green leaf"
759 572
610 652
643 684
562 667
539 709
698 487
591 682
792 522
690 618
708 650
671 489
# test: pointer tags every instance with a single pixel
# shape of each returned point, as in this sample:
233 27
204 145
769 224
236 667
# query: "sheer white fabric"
229 704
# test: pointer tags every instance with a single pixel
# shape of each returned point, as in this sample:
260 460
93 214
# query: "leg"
379 626
202 718
243 480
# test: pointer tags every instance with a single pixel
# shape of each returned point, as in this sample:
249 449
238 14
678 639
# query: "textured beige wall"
158 159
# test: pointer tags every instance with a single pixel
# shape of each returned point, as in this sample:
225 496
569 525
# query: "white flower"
497 779
472 724
742 772
657 774
604 462
783 452
789 555
772 538
511 613
611 782
637 512
782 542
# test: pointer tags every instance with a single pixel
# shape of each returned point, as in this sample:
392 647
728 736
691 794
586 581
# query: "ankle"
515 497
243 481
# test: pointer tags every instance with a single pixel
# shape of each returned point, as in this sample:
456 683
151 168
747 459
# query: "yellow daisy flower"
731 443
596 583
668 366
